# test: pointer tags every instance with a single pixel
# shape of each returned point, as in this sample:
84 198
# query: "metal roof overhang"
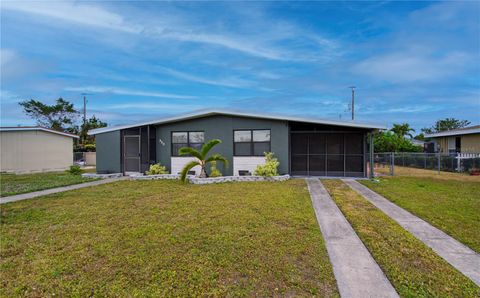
38 128
200 114
453 133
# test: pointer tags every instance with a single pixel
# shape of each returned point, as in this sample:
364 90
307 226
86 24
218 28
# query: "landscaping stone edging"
156 177
102 176
195 180
223 179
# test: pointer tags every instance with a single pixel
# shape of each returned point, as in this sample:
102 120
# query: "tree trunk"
203 173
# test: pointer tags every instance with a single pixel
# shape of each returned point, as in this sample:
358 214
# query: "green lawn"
12 184
413 268
451 205
164 238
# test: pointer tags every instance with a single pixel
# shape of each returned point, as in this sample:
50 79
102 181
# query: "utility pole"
84 110
353 101
83 137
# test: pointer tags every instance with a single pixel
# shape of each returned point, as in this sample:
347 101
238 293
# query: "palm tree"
402 130
202 159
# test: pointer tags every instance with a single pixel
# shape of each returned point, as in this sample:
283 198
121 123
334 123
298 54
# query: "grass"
164 238
412 268
452 205
423 173
12 184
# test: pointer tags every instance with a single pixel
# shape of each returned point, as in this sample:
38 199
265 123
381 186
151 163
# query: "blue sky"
412 62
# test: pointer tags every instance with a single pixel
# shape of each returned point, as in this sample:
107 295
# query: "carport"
324 150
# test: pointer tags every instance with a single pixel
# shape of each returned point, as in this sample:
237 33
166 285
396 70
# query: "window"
180 139
251 142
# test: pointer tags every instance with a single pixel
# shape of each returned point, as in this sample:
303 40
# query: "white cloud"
432 44
13 66
409 66
227 82
6 56
180 28
238 44
122 91
80 13
153 106
8 97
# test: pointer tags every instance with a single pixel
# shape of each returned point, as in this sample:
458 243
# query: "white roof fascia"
453 133
194 115
36 129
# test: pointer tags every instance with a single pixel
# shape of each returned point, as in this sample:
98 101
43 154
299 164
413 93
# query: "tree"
446 124
391 142
60 116
420 137
403 130
202 159
90 124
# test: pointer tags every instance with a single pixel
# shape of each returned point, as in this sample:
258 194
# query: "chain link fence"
385 162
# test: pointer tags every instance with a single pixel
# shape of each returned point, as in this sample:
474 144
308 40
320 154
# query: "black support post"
371 153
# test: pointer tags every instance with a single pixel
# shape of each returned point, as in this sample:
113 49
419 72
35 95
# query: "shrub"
75 170
90 147
157 169
270 168
214 172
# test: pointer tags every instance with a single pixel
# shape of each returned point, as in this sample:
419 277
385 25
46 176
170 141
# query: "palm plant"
403 129
202 158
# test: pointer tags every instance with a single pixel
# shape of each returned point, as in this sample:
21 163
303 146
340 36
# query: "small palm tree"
202 159
403 129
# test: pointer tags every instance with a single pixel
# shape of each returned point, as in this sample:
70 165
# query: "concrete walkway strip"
457 254
40 193
356 272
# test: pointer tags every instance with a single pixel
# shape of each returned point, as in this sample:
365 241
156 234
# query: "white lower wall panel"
177 164
247 163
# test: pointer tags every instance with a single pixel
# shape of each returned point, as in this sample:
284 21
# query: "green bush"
214 172
75 170
90 147
270 168
391 142
157 169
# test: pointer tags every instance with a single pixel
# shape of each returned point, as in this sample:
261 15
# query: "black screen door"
327 154
132 153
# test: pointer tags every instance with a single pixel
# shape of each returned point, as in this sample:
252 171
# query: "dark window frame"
252 143
187 144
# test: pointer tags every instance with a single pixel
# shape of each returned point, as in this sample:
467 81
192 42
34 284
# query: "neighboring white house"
27 149
462 140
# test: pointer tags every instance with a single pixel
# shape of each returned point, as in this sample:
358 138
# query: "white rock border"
102 176
195 180
224 179
155 177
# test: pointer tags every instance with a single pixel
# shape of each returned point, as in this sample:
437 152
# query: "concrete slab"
457 254
356 272
35 194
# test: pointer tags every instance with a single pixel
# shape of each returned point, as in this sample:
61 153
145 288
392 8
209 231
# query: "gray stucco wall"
108 152
221 127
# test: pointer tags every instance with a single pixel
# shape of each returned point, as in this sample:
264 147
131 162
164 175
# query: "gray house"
304 147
